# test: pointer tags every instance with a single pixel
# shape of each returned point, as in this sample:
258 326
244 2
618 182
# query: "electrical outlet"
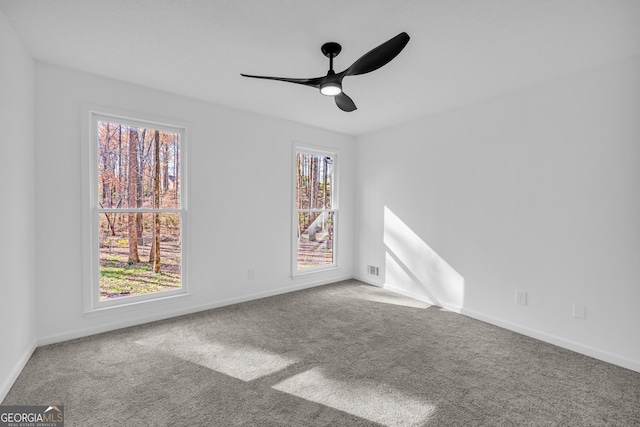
579 311
521 297
251 274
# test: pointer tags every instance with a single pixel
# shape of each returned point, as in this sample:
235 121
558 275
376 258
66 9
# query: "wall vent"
373 270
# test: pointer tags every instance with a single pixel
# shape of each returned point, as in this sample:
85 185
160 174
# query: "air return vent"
373 270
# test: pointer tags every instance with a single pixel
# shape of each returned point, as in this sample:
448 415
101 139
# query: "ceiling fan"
331 84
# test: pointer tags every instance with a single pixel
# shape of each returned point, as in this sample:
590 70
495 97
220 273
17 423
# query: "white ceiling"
460 51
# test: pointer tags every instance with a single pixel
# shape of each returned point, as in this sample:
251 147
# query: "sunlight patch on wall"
366 399
411 266
239 361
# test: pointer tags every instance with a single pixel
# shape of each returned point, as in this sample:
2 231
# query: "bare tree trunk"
140 187
165 165
177 167
105 165
324 184
154 254
122 174
110 223
132 192
314 195
299 189
119 188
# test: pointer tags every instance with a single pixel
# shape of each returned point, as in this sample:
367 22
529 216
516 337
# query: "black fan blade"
378 56
344 102
313 82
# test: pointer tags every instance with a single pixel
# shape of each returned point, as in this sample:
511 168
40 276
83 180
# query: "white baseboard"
605 356
419 297
167 314
367 281
542 336
15 372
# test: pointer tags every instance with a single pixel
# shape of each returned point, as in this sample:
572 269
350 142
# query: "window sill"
134 306
312 271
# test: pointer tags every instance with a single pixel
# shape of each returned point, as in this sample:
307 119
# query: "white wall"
535 190
17 310
240 177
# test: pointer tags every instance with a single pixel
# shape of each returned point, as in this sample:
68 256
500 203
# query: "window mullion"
317 210
140 210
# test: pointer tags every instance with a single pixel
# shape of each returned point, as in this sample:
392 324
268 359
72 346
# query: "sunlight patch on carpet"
394 299
366 399
243 362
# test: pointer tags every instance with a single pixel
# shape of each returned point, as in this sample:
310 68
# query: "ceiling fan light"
330 88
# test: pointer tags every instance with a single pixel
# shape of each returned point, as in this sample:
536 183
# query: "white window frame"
334 154
91 250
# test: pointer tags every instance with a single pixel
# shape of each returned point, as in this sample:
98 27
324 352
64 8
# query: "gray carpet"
346 354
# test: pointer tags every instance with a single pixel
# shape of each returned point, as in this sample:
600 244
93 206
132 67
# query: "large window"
137 210
316 211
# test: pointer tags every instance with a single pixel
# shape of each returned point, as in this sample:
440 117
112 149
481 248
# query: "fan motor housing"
331 49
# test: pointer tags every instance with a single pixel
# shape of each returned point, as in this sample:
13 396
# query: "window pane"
314 181
124 274
315 239
130 159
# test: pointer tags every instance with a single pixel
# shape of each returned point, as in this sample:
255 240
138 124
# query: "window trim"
91 211
335 155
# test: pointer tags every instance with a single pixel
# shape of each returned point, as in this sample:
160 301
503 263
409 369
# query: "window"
316 210
137 206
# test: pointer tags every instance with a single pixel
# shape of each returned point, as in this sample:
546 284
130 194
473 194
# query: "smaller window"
316 213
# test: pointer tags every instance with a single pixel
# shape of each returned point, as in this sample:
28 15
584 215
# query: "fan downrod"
331 49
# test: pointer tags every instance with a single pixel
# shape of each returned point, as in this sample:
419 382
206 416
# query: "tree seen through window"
139 209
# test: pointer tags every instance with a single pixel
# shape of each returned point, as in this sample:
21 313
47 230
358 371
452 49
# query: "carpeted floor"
346 354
